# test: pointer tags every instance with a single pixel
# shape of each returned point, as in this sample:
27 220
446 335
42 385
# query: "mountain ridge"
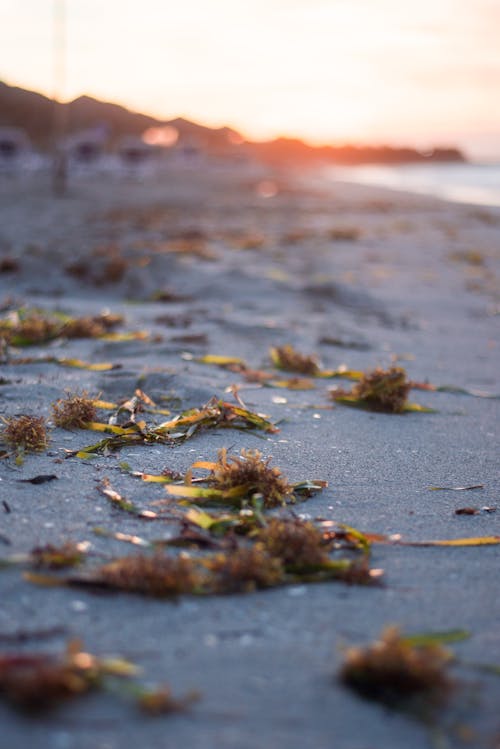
35 113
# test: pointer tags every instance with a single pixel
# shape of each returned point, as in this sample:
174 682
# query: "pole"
59 165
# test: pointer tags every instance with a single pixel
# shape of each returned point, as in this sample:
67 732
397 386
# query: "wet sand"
206 263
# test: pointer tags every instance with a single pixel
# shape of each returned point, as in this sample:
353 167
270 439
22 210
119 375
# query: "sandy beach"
230 262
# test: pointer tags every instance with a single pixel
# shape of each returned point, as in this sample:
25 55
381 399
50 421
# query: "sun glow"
325 70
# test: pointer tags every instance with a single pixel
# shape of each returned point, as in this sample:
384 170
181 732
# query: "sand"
357 275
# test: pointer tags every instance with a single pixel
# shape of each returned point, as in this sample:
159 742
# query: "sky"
329 71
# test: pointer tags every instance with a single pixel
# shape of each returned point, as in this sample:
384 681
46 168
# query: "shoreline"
456 183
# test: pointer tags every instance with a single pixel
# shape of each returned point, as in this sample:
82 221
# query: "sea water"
469 182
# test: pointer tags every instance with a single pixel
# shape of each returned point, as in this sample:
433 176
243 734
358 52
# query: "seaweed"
245 570
27 327
344 234
298 543
65 362
243 479
287 358
52 557
74 411
124 504
216 414
26 433
295 363
156 575
161 701
395 671
380 390
36 682
252 473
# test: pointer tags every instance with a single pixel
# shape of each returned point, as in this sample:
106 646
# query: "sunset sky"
418 73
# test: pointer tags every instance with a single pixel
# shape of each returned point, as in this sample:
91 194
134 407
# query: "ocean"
477 183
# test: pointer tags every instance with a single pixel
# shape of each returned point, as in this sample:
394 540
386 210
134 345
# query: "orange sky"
326 70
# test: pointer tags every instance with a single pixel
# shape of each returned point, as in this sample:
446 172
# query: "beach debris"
258 376
240 568
298 543
396 671
113 270
128 408
42 478
215 414
74 411
472 541
36 682
344 233
245 570
396 540
161 701
27 327
287 358
135 540
157 575
251 552
124 504
39 681
443 637
245 240
106 266
9 264
341 342
252 474
65 362
453 389
25 434
303 547
455 488
167 476
187 244
169 296
52 557
221 360
243 479
474 510
470 257
380 390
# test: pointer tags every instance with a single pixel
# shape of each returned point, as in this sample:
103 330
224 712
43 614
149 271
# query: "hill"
35 113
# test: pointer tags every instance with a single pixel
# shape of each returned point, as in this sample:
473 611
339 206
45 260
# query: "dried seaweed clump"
27 327
26 432
252 474
90 327
161 701
395 672
380 390
156 575
74 411
52 557
39 681
296 542
245 570
286 357
32 329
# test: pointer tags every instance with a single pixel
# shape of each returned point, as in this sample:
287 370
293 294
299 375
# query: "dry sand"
356 275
